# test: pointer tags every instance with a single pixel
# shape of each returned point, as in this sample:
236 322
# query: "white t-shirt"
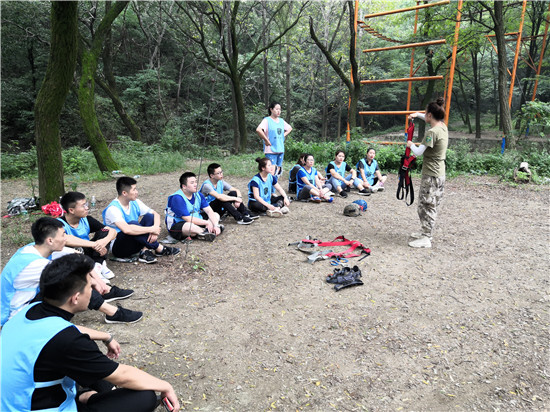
113 214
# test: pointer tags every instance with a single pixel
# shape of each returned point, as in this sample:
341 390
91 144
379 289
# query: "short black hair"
69 200
211 168
44 228
65 276
184 177
124 184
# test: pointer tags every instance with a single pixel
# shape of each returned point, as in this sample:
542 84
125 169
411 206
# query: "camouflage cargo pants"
431 193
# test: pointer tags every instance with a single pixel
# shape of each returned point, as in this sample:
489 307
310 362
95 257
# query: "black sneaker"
365 192
252 216
206 235
347 188
168 250
124 316
343 193
147 257
117 294
245 221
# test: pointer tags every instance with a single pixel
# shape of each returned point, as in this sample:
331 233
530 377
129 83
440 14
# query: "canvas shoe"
343 194
274 213
117 294
285 210
423 242
252 215
124 316
206 235
147 256
168 250
106 272
364 192
245 221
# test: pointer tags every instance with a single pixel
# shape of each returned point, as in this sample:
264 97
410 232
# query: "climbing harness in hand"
405 188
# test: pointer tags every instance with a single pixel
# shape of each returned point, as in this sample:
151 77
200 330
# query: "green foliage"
535 113
18 165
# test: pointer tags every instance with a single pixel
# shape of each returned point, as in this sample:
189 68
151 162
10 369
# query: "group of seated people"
310 185
64 272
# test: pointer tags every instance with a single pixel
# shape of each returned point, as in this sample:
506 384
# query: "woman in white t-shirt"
273 131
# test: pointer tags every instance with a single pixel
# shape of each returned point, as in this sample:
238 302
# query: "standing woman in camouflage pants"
434 149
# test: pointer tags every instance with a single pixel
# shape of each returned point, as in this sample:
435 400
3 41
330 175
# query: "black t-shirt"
69 353
95 225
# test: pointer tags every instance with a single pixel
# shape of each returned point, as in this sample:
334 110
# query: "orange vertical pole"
348 131
518 44
540 58
453 61
411 73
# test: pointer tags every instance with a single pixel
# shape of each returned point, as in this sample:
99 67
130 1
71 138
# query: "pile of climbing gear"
405 188
345 277
315 254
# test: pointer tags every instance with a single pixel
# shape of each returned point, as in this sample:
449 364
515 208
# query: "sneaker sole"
147 261
275 214
242 222
120 321
119 298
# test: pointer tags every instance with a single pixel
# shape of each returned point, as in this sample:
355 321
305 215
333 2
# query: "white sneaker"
417 235
274 213
106 272
285 210
421 243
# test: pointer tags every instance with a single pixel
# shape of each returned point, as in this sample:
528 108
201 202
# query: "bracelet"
106 342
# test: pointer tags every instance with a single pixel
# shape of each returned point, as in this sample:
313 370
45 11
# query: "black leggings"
218 206
120 400
128 245
94 254
256 206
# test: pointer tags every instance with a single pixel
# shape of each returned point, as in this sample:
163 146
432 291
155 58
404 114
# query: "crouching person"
42 373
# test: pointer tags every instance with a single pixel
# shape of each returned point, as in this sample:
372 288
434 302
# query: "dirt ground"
245 324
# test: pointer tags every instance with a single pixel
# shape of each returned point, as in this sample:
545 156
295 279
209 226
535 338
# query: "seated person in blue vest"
369 172
273 130
134 235
311 184
261 191
79 226
42 373
19 283
294 171
188 214
232 202
337 169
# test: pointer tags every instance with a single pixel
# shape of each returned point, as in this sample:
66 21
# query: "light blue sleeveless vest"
218 189
340 170
22 340
82 231
276 134
16 264
369 170
133 216
265 188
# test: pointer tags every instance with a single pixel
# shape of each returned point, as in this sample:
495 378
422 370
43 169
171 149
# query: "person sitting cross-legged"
188 214
21 275
261 191
341 176
373 180
134 235
231 202
311 184
45 356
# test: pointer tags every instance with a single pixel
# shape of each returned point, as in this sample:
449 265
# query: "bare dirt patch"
244 323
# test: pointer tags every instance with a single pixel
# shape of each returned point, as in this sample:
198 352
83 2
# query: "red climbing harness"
405 187
341 241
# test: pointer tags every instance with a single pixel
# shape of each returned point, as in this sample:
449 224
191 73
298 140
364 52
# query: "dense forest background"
179 74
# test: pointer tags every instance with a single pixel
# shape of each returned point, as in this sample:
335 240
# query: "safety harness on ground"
404 186
354 247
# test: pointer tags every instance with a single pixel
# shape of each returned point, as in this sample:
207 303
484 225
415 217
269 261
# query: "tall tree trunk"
51 97
288 106
110 87
505 115
86 91
264 58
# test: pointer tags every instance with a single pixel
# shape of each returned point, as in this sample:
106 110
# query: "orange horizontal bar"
422 6
513 33
406 79
393 112
406 46
383 142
